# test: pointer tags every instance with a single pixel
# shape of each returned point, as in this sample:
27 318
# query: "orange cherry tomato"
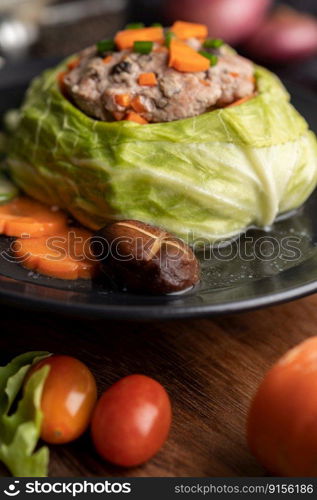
282 430
68 398
131 421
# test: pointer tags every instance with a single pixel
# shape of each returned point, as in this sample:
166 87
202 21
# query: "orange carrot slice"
125 39
66 255
147 79
135 117
240 101
185 58
123 100
25 216
184 30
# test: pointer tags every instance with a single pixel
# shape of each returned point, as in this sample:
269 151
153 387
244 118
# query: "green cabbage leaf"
8 190
206 177
20 422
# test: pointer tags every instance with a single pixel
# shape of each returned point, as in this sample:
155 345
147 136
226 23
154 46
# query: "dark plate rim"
159 312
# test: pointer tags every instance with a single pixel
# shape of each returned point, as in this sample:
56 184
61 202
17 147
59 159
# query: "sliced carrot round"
66 255
23 216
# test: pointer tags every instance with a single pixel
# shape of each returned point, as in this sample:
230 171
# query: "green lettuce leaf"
208 177
20 427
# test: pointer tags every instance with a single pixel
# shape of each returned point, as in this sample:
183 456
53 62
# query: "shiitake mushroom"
144 258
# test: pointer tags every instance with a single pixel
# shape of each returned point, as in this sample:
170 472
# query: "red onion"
287 35
232 20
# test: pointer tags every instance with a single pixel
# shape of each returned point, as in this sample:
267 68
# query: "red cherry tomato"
131 421
68 398
282 431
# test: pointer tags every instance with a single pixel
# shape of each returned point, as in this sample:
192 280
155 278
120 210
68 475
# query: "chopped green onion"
157 25
134 26
143 47
213 43
168 38
105 46
212 58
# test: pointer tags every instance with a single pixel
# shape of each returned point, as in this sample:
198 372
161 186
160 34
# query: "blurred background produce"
232 20
279 33
56 28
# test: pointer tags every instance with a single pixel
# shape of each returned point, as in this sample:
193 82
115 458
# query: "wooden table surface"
210 367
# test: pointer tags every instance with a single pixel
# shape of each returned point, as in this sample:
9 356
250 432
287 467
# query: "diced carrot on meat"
240 101
123 100
61 83
147 79
25 216
66 255
73 64
186 59
137 104
204 82
107 59
118 115
125 39
234 74
135 117
184 30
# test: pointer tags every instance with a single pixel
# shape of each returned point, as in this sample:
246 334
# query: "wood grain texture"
210 367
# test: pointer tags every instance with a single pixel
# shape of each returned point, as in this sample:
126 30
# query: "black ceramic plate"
259 269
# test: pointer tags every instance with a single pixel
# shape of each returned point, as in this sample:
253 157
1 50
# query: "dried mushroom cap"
146 258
